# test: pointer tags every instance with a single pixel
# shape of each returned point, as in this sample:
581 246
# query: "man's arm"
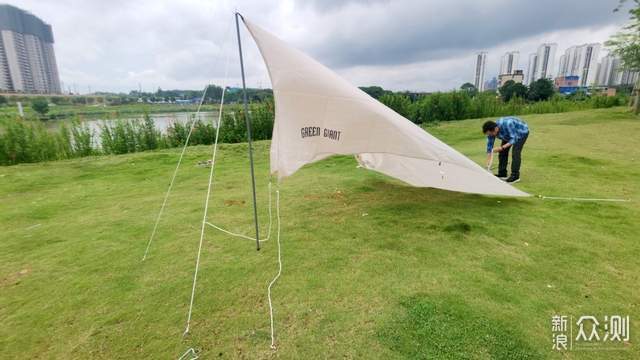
490 141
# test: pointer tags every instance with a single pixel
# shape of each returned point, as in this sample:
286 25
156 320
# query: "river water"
161 120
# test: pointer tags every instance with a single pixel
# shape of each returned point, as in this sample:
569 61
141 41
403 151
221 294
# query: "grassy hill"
372 268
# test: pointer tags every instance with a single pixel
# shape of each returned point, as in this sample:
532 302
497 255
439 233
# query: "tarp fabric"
319 114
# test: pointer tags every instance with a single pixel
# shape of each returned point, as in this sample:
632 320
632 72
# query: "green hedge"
457 105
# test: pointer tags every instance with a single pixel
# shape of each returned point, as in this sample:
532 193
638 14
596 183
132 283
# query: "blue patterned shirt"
511 130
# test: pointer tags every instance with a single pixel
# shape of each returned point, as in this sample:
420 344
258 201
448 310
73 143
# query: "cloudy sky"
420 45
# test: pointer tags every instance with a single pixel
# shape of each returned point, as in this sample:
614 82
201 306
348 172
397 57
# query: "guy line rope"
191 351
567 198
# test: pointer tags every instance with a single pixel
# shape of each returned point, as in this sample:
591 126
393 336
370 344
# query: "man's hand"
489 161
497 149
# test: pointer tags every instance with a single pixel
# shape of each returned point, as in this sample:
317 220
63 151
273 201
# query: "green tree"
469 88
626 45
3 100
374 91
40 105
512 89
398 102
540 90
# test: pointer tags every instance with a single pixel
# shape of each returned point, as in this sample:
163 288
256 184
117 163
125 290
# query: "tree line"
514 99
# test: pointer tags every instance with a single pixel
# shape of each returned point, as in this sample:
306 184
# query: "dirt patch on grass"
14 278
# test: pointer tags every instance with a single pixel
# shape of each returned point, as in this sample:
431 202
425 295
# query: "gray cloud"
408 44
333 5
410 31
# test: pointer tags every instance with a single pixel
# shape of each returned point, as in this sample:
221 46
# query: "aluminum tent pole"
248 120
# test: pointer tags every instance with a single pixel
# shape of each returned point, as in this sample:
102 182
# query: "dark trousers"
516 160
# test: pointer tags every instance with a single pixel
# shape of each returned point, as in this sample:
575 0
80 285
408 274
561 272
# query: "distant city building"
567 84
531 68
588 61
27 60
481 63
562 65
629 77
491 84
581 61
567 62
544 63
509 62
598 68
516 76
609 72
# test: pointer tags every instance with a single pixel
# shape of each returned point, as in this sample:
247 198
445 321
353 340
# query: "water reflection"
162 121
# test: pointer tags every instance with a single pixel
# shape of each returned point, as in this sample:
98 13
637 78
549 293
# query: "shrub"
27 141
399 103
512 89
40 105
540 90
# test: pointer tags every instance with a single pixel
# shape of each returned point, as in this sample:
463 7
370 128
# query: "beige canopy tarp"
319 114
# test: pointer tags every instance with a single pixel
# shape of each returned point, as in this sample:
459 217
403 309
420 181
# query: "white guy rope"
580 199
245 236
273 337
175 173
561 197
184 148
190 352
204 223
206 203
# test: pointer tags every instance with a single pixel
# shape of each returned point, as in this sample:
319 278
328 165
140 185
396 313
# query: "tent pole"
248 120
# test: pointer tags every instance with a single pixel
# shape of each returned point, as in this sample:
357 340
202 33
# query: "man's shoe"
500 176
513 179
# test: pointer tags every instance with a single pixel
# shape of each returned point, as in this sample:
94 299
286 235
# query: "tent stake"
248 120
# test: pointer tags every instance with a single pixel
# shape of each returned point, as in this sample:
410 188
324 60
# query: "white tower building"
481 63
582 61
531 68
27 60
509 62
545 62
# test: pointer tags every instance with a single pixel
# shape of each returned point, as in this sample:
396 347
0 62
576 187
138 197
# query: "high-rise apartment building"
629 77
27 60
531 68
562 65
509 62
481 62
544 65
609 73
581 61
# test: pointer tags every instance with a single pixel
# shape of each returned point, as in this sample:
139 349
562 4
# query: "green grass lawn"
373 269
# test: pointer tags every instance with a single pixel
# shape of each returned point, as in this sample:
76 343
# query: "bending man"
513 132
